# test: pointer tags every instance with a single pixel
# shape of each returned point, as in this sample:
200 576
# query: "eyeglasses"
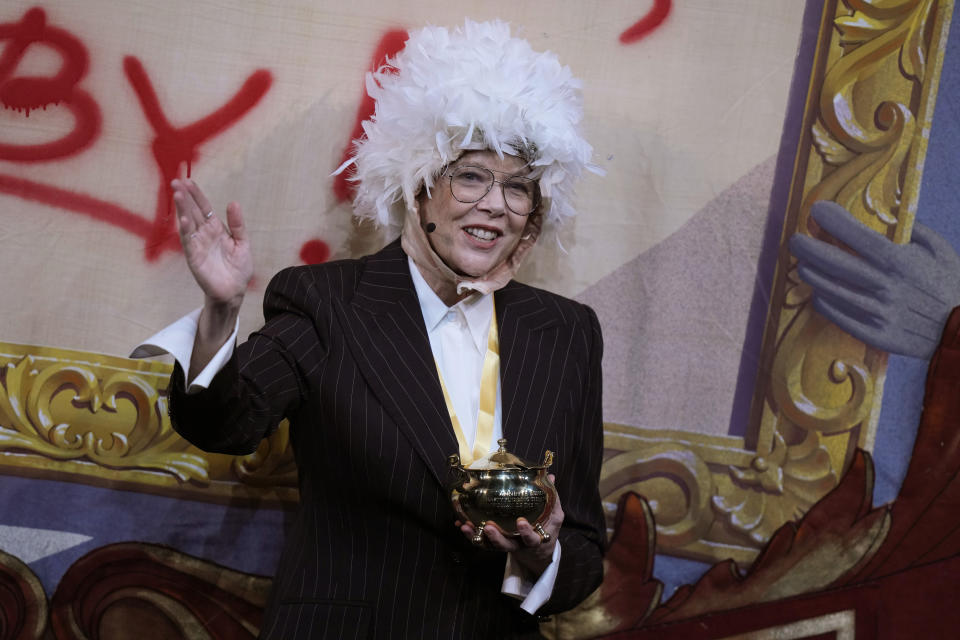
469 184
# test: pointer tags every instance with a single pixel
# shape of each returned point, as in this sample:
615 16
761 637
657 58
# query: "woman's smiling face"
473 238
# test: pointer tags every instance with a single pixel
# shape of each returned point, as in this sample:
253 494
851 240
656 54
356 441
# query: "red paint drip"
391 43
648 23
314 251
174 146
23 94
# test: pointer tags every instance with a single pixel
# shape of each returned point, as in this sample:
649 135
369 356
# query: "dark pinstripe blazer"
373 552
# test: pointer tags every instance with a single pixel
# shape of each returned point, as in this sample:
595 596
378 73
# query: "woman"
473 147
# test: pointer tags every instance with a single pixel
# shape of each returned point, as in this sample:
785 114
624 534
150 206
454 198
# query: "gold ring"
478 535
544 536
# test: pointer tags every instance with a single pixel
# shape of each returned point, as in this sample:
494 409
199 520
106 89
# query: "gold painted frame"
842 625
868 112
103 420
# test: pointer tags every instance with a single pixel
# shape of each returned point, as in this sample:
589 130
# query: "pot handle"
457 473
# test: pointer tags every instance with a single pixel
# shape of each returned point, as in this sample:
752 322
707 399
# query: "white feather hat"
476 87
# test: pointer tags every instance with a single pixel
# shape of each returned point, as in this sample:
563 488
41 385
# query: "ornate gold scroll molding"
867 117
103 420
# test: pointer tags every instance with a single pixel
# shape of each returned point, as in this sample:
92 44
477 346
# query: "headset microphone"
431 227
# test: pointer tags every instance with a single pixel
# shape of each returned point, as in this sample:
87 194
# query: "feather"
473 87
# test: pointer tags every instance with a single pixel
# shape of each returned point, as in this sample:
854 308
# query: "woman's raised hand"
218 256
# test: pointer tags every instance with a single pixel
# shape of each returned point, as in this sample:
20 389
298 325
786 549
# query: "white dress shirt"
458 339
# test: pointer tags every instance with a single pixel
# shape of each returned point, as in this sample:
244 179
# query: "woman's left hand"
528 549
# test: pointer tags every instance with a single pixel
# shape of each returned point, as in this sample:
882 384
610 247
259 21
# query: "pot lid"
503 459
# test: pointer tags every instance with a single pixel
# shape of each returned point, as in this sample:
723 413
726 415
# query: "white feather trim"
476 87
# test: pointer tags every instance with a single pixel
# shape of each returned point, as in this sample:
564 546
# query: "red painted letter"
175 145
26 93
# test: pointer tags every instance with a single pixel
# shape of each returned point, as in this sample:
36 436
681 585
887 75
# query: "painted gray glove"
894 297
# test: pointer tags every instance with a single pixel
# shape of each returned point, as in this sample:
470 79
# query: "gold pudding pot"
500 489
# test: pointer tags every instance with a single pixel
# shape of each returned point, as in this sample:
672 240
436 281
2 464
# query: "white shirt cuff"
533 594
177 340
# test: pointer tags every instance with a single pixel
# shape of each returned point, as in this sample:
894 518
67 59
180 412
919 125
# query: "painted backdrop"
731 406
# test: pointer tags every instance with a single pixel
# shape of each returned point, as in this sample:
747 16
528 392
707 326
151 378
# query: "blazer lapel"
527 367
389 342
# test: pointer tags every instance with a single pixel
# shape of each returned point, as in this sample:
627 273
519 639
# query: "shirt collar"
476 308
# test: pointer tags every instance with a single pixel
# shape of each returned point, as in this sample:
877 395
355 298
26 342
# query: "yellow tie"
488 401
